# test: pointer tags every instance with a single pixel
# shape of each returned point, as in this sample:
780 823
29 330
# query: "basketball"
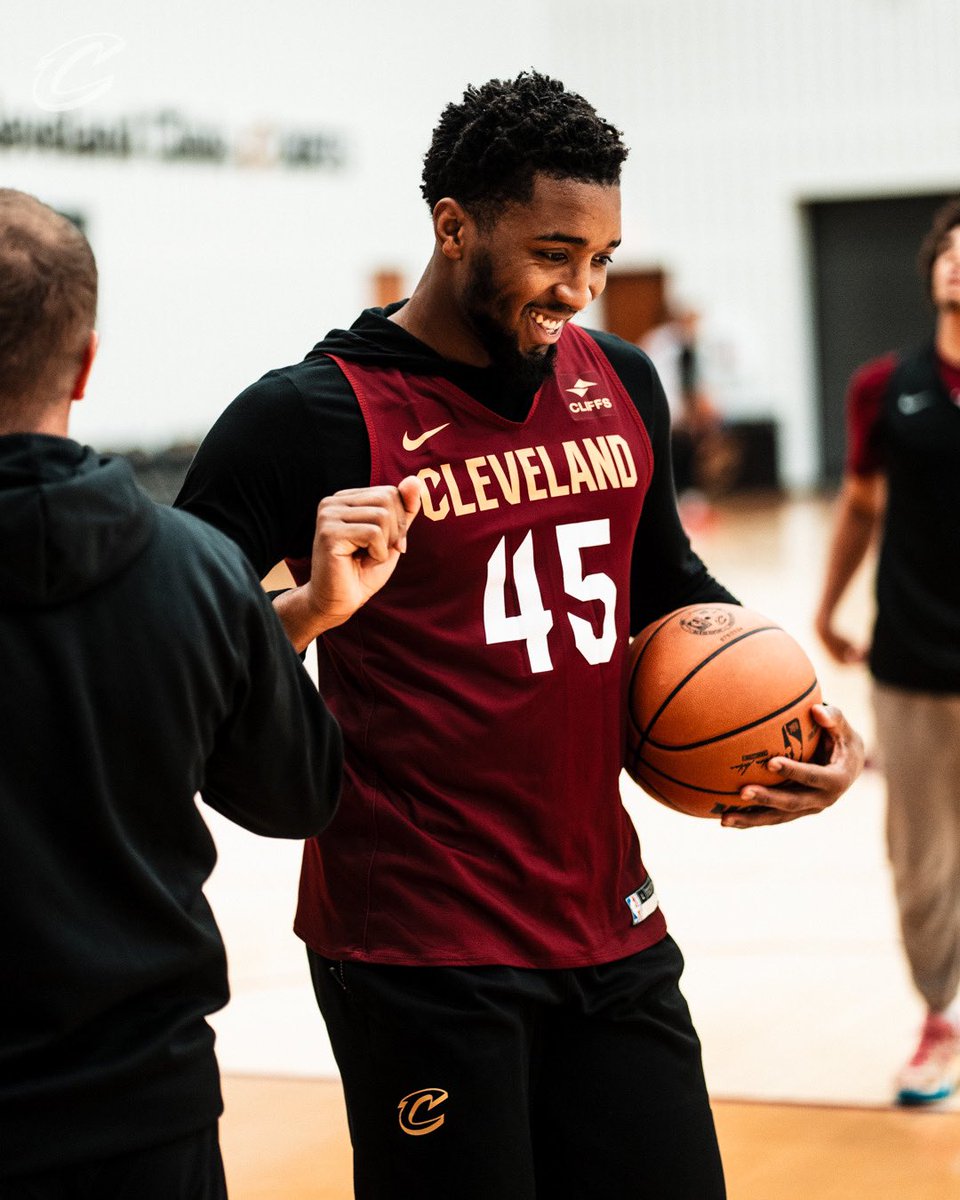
713 692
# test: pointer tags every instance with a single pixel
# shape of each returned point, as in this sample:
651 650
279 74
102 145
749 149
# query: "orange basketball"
713 692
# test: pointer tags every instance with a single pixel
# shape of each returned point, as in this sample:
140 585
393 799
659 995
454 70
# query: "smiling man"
485 943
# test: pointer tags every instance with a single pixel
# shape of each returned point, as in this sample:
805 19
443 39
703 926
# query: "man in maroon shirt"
902 477
485 943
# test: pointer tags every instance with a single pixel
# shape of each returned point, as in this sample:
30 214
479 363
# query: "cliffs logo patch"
418 1113
587 407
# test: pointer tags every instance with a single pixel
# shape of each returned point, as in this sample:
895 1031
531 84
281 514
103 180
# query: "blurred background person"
902 480
705 456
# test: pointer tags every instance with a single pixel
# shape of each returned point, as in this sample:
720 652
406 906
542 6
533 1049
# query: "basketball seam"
693 787
644 734
732 732
636 663
649 787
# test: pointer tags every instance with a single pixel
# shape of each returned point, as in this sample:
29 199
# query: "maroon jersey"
481 691
903 420
865 397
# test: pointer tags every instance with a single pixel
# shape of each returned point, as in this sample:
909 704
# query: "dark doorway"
867 296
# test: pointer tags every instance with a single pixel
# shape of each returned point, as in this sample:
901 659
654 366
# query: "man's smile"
549 325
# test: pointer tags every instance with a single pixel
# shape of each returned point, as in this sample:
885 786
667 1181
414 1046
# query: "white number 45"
533 622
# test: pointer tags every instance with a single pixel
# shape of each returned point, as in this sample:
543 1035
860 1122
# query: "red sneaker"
934 1071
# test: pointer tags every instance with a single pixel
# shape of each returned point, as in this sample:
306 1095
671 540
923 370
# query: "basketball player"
902 477
141 661
485 943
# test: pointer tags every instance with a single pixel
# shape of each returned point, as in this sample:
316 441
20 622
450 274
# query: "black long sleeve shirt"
297 435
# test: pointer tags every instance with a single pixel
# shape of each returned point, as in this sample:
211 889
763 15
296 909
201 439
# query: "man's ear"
86 366
449 221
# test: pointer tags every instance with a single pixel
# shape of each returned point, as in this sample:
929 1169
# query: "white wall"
736 112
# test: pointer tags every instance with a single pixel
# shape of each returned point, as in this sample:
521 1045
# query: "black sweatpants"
500 1083
189 1168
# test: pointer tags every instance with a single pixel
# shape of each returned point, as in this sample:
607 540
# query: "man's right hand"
859 513
839 647
360 535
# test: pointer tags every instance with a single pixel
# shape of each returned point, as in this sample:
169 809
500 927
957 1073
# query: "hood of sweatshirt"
70 519
374 340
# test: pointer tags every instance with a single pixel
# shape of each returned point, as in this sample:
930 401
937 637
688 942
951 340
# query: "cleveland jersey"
480 692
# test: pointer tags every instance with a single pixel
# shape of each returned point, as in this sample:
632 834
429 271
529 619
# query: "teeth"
548 325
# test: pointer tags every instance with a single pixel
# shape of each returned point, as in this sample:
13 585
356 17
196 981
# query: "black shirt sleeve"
665 571
275 766
288 440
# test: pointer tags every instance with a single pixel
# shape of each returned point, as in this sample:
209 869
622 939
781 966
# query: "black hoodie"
140 663
297 435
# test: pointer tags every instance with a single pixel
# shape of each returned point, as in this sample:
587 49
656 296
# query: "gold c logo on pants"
415 1109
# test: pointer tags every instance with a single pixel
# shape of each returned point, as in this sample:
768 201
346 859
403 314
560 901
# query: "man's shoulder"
633 365
866 396
199 546
310 379
291 402
620 351
870 379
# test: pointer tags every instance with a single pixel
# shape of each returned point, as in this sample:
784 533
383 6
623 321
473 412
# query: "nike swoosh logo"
914 402
410 443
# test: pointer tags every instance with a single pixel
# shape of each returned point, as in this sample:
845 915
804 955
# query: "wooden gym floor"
286 1139
794 972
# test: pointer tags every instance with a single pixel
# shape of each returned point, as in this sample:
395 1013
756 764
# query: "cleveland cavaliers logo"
706 621
417 1112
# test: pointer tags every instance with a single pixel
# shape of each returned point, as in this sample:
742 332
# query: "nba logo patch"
642 902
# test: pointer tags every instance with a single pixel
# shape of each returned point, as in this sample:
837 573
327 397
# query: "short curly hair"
944 219
487 149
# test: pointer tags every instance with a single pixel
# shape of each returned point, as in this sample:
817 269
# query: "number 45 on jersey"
533 622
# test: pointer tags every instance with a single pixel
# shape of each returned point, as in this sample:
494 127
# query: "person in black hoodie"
141 663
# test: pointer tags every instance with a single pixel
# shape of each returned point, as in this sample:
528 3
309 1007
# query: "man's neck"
430 315
948 336
53 420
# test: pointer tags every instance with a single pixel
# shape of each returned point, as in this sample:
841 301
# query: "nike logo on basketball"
410 443
914 402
